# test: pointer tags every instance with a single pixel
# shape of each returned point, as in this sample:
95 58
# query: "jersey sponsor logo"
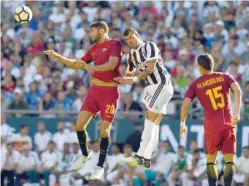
104 49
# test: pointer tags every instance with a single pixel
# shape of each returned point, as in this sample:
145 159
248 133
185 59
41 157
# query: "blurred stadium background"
40 98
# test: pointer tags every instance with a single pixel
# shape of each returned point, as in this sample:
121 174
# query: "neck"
103 39
207 72
138 45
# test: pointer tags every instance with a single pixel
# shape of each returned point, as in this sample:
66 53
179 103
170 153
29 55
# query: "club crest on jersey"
104 49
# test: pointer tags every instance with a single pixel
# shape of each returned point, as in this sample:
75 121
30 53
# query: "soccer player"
145 57
212 89
102 95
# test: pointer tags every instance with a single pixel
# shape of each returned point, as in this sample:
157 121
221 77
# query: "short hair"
181 147
206 61
246 147
130 31
197 151
235 63
99 25
23 126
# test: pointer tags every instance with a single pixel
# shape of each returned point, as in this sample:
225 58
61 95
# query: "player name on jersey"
210 82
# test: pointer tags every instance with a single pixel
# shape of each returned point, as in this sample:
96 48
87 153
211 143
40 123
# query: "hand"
79 64
51 53
183 131
89 68
236 118
124 80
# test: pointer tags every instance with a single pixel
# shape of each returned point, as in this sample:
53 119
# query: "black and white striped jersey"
137 60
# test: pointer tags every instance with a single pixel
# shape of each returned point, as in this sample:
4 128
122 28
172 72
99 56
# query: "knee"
104 133
154 117
105 130
80 126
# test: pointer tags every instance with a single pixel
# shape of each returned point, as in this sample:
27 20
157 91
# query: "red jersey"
213 92
100 54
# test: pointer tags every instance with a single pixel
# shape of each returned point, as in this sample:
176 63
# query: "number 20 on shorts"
214 94
110 109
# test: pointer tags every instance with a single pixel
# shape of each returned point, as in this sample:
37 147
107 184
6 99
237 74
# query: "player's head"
205 63
98 30
131 37
245 151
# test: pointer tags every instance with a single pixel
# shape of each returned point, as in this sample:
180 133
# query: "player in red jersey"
102 95
213 91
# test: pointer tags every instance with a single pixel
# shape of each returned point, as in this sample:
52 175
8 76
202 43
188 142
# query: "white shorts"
157 96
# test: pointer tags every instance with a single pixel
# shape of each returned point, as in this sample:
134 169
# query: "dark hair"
206 61
197 151
235 63
99 25
246 147
23 126
181 147
51 142
130 31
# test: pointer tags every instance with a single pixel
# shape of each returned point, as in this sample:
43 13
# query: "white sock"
145 139
153 142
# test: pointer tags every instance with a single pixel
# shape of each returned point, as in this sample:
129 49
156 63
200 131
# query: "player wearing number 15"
213 91
102 95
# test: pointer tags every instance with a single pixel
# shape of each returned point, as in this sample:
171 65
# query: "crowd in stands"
182 30
46 160
30 80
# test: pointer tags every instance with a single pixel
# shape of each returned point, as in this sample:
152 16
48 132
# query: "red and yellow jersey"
100 54
213 92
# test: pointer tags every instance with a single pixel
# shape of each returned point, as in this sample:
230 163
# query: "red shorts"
103 99
225 141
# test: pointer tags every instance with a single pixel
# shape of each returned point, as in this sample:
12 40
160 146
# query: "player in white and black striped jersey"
138 58
146 58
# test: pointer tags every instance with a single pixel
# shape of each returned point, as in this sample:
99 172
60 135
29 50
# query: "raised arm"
72 63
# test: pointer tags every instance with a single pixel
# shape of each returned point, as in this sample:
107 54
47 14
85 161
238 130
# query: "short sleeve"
151 51
191 92
115 49
230 79
87 57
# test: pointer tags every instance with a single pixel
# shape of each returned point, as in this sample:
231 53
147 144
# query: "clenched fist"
51 53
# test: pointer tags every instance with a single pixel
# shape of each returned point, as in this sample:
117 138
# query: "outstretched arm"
72 63
130 80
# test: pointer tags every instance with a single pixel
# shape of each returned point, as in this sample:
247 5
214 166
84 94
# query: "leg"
83 120
148 142
10 178
3 175
212 172
150 134
105 141
228 148
246 180
229 170
155 100
212 142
